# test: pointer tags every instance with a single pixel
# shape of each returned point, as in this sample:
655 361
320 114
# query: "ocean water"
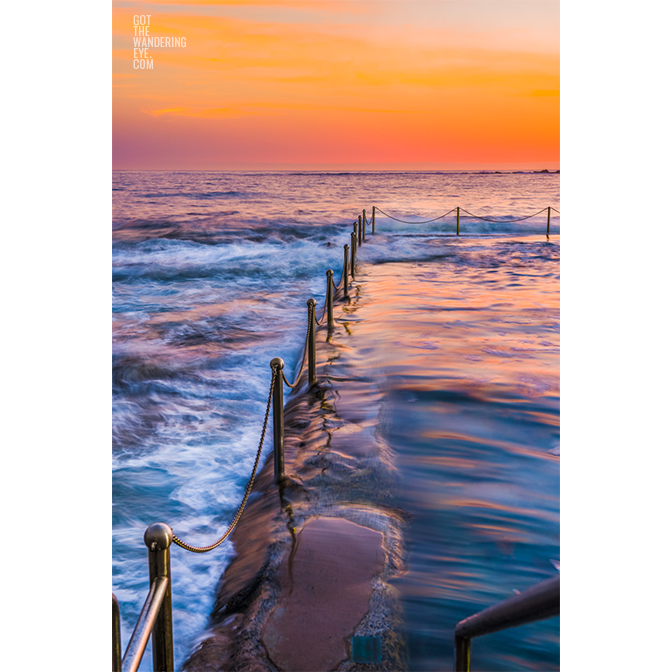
464 351
211 273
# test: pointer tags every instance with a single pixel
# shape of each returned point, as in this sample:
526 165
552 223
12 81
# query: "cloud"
256 109
335 6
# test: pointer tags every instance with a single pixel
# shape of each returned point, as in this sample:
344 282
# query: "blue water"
211 272
464 348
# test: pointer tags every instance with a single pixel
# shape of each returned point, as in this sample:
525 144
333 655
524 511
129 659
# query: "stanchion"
312 372
353 253
346 252
462 661
548 223
458 220
364 225
330 299
278 364
359 229
116 636
373 220
158 538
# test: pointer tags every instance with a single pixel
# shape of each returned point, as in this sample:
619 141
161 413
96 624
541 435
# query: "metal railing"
156 615
534 604
457 210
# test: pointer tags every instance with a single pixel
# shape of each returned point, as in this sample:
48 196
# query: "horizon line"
552 170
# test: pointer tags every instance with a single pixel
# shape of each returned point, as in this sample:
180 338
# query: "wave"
199 195
210 286
226 227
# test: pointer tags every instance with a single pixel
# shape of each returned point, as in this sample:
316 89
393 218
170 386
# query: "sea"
211 273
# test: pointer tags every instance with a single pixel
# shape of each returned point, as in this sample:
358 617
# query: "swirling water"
211 272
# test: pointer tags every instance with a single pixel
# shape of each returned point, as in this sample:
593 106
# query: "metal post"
462 654
353 253
364 225
373 220
312 374
116 636
458 220
330 298
534 604
278 364
359 229
346 252
548 223
158 538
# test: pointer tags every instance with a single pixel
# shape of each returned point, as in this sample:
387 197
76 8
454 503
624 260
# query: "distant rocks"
545 171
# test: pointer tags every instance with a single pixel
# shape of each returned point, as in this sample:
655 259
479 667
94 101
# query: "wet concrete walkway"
309 588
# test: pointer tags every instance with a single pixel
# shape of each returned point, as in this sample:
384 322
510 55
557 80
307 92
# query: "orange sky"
338 83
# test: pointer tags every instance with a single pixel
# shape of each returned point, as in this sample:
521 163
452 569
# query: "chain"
502 221
466 212
239 513
405 222
324 312
303 358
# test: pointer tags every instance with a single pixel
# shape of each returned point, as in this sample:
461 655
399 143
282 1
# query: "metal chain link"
239 513
425 222
303 359
324 312
502 221
339 285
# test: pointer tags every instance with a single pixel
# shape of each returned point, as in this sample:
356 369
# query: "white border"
56 264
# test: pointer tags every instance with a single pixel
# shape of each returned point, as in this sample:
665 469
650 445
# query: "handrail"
156 616
534 604
143 628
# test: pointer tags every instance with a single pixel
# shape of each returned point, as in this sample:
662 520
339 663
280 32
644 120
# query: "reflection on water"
467 356
211 272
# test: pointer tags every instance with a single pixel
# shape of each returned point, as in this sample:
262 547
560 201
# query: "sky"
320 84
